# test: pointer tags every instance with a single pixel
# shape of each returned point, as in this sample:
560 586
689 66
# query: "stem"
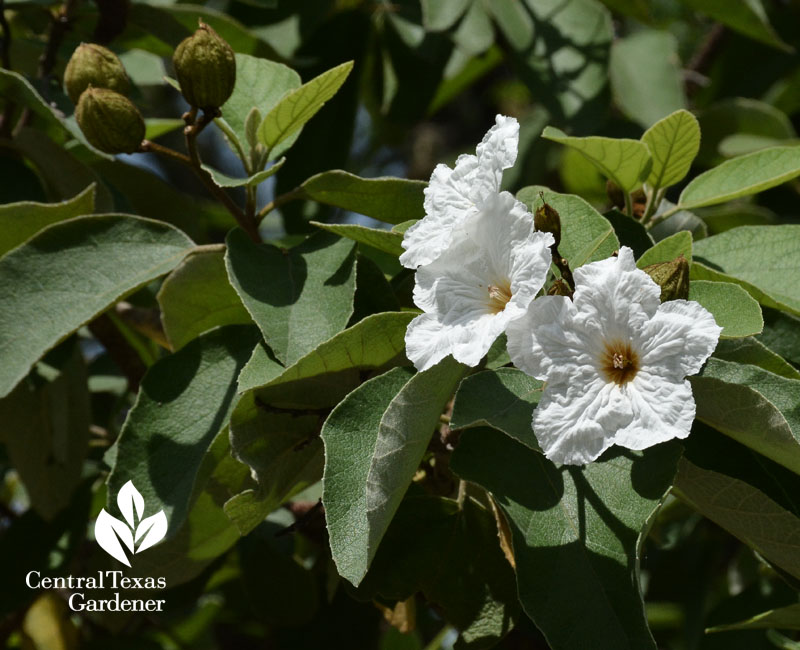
663 217
653 201
148 146
295 194
59 26
222 125
702 59
628 204
462 493
249 225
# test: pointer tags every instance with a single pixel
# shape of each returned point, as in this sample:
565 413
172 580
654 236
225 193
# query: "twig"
191 132
278 201
58 28
148 146
702 59
302 520
118 348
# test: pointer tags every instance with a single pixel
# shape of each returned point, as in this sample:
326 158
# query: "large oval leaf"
71 272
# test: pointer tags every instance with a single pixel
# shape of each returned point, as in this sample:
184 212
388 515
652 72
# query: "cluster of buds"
95 80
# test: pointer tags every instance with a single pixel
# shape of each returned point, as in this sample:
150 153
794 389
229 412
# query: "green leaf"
159 29
744 511
184 401
646 76
451 555
327 373
223 180
668 249
674 142
723 217
300 105
755 407
439 16
384 240
782 334
577 534
69 273
586 235
388 199
783 618
751 351
156 127
742 116
745 16
284 453
566 67
44 425
514 22
732 307
638 9
679 221
260 84
197 297
374 442
206 532
742 176
624 161
503 399
19 221
763 259
63 174
298 297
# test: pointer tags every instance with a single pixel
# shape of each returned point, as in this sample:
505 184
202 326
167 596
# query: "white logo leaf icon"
108 531
153 530
129 499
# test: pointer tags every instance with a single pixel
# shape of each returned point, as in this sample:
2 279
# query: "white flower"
488 276
614 360
454 195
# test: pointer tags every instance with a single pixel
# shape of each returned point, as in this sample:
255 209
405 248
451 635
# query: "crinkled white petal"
454 195
500 248
615 297
546 344
575 422
428 340
662 410
568 344
677 341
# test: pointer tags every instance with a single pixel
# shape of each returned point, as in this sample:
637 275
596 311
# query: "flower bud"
206 68
547 219
96 66
672 277
110 121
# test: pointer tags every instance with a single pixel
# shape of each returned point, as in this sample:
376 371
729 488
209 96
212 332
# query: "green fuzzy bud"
547 219
672 277
96 66
206 68
110 121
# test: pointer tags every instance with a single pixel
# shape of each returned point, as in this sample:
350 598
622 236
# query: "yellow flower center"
499 295
619 362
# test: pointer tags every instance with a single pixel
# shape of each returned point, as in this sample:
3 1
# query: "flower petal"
662 410
429 340
546 344
677 341
452 196
576 422
615 297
